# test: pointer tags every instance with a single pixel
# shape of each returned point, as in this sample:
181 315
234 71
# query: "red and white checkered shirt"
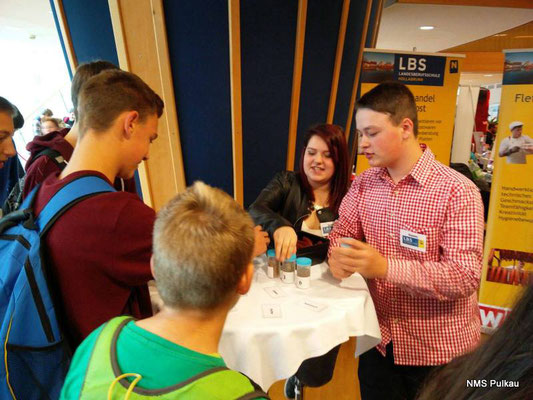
427 304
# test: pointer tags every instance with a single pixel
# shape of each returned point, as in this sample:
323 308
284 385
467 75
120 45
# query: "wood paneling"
236 97
296 82
358 69
140 37
481 3
65 34
483 62
343 386
338 61
520 37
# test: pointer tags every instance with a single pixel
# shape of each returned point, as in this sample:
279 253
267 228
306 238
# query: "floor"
343 386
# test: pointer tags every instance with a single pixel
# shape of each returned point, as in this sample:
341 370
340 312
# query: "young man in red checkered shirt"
414 228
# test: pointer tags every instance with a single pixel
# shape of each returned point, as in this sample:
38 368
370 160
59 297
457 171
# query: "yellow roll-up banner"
508 256
433 79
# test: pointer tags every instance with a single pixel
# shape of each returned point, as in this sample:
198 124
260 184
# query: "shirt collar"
420 171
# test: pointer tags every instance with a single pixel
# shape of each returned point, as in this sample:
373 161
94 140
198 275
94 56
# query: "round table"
276 326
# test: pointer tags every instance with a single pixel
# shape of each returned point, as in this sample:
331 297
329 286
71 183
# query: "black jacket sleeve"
268 208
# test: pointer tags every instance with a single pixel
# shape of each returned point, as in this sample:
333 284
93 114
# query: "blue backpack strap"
69 195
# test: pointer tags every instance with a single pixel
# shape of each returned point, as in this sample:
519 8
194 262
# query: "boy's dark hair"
83 73
394 99
7 107
106 95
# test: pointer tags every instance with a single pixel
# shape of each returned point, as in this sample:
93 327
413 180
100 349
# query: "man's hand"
514 149
285 239
359 257
261 241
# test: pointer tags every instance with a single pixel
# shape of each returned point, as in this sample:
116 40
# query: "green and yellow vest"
105 380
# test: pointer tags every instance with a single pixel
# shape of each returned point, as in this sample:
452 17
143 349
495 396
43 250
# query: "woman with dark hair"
307 200
501 368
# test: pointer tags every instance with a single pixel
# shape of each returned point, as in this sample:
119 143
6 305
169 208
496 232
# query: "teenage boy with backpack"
99 250
50 153
202 252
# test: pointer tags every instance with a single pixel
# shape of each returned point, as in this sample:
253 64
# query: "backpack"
104 378
34 354
14 199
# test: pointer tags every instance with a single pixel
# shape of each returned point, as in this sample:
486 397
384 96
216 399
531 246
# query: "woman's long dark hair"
334 137
506 355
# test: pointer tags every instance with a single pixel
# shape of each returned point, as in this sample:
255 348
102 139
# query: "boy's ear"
152 265
130 120
407 128
246 279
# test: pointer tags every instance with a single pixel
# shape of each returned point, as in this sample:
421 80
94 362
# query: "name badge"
413 241
326 228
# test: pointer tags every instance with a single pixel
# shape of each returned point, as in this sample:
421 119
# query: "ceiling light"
487 75
501 34
426 27
523 37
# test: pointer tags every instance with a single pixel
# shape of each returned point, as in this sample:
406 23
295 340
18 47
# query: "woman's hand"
285 239
261 241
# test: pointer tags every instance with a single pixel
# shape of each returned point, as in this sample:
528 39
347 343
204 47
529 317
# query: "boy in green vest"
202 251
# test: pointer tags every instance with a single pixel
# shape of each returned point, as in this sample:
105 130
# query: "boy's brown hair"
394 99
83 73
108 94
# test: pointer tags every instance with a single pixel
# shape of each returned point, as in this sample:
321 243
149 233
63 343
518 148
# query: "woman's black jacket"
284 203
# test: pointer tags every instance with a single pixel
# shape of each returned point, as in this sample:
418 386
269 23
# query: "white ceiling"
454 25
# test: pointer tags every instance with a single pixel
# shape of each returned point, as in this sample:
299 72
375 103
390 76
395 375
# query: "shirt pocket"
431 237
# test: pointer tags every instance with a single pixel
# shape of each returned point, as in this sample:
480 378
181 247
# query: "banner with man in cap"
516 146
508 261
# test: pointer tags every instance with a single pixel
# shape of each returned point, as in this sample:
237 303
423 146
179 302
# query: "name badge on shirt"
326 228
413 241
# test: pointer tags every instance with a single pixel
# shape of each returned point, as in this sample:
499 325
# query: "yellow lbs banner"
508 258
433 79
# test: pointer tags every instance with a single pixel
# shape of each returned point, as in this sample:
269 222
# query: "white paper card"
313 305
271 311
275 292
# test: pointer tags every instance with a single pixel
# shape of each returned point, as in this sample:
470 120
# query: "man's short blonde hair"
203 242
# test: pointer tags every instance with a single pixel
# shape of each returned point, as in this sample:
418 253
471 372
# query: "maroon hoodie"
37 170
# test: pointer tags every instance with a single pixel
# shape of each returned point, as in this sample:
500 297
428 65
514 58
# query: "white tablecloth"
270 349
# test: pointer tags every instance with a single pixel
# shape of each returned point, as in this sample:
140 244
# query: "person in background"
516 146
10 169
307 200
413 228
37 121
501 368
49 124
203 244
490 135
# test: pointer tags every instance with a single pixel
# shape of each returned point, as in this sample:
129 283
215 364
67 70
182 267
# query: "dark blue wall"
198 42
91 30
268 34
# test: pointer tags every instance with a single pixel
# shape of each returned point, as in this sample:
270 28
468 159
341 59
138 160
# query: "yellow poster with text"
508 256
433 79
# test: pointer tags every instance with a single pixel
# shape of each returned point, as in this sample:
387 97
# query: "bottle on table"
303 272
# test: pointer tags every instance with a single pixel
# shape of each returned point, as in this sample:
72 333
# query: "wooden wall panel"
296 82
140 35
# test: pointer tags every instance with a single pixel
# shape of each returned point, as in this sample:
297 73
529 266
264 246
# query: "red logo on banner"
492 317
